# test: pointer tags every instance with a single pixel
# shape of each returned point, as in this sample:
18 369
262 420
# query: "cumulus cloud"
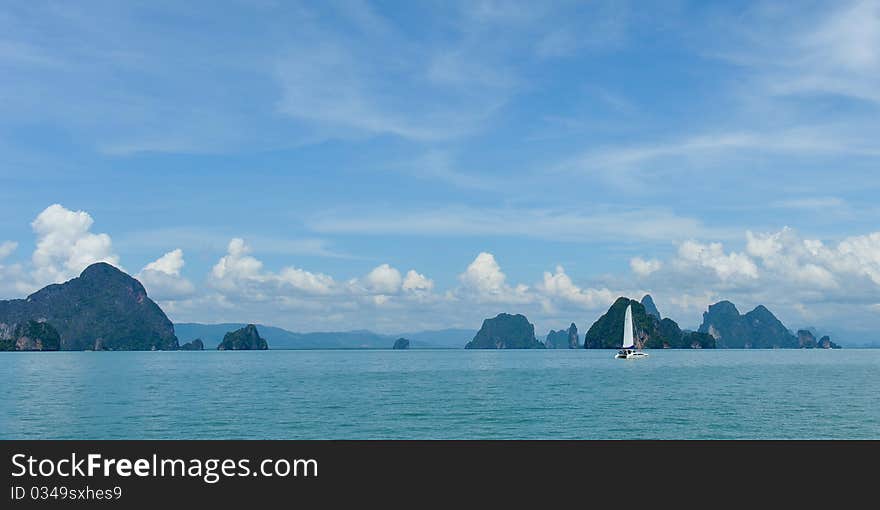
384 279
726 266
162 277
385 282
801 279
813 262
789 257
66 245
558 285
238 272
237 265
171 263
306 281
240 278
644 267
415 282
484 280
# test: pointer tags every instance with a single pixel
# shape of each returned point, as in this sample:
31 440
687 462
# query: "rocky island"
106 309
757 329
563 339
506 331
650 332
195 345
807 340
244 339
102 309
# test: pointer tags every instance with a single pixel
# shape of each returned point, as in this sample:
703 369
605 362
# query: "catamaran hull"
632 355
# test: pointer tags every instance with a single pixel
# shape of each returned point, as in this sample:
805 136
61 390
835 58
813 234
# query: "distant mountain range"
278 338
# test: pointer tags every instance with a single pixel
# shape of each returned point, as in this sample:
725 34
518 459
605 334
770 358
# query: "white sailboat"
628 351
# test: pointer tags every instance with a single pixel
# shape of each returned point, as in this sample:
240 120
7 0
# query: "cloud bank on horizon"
340 165
780 268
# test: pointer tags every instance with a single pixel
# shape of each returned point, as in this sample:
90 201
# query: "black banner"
126 474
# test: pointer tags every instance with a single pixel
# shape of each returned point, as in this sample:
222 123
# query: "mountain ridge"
284 339
102 309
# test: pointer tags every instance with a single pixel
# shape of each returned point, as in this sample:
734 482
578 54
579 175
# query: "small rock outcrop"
400 344
806 339
506 331
826 343
244 339
195 345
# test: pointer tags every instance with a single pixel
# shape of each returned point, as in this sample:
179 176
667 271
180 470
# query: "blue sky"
517 157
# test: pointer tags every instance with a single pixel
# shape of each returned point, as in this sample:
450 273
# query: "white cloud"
300 279
558 285
66 246
171 263
237 265
644 267
415 282
712 256
811 260
384 279
788 256
807 280
484 280
238 272
856 255
163 280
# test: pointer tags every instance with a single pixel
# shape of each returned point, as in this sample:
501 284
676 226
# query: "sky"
400 166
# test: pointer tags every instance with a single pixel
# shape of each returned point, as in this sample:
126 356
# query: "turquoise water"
425 394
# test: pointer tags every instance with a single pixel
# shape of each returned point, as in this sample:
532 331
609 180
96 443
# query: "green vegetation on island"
29 336
244 339
650 307
195 345
102 309
506 331
563 339
650 332
758 329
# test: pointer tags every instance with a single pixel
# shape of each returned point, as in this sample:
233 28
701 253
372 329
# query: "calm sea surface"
439 394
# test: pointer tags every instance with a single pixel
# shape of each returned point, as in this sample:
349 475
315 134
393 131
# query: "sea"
441 394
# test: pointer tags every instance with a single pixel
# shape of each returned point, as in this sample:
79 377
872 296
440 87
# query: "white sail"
628 328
